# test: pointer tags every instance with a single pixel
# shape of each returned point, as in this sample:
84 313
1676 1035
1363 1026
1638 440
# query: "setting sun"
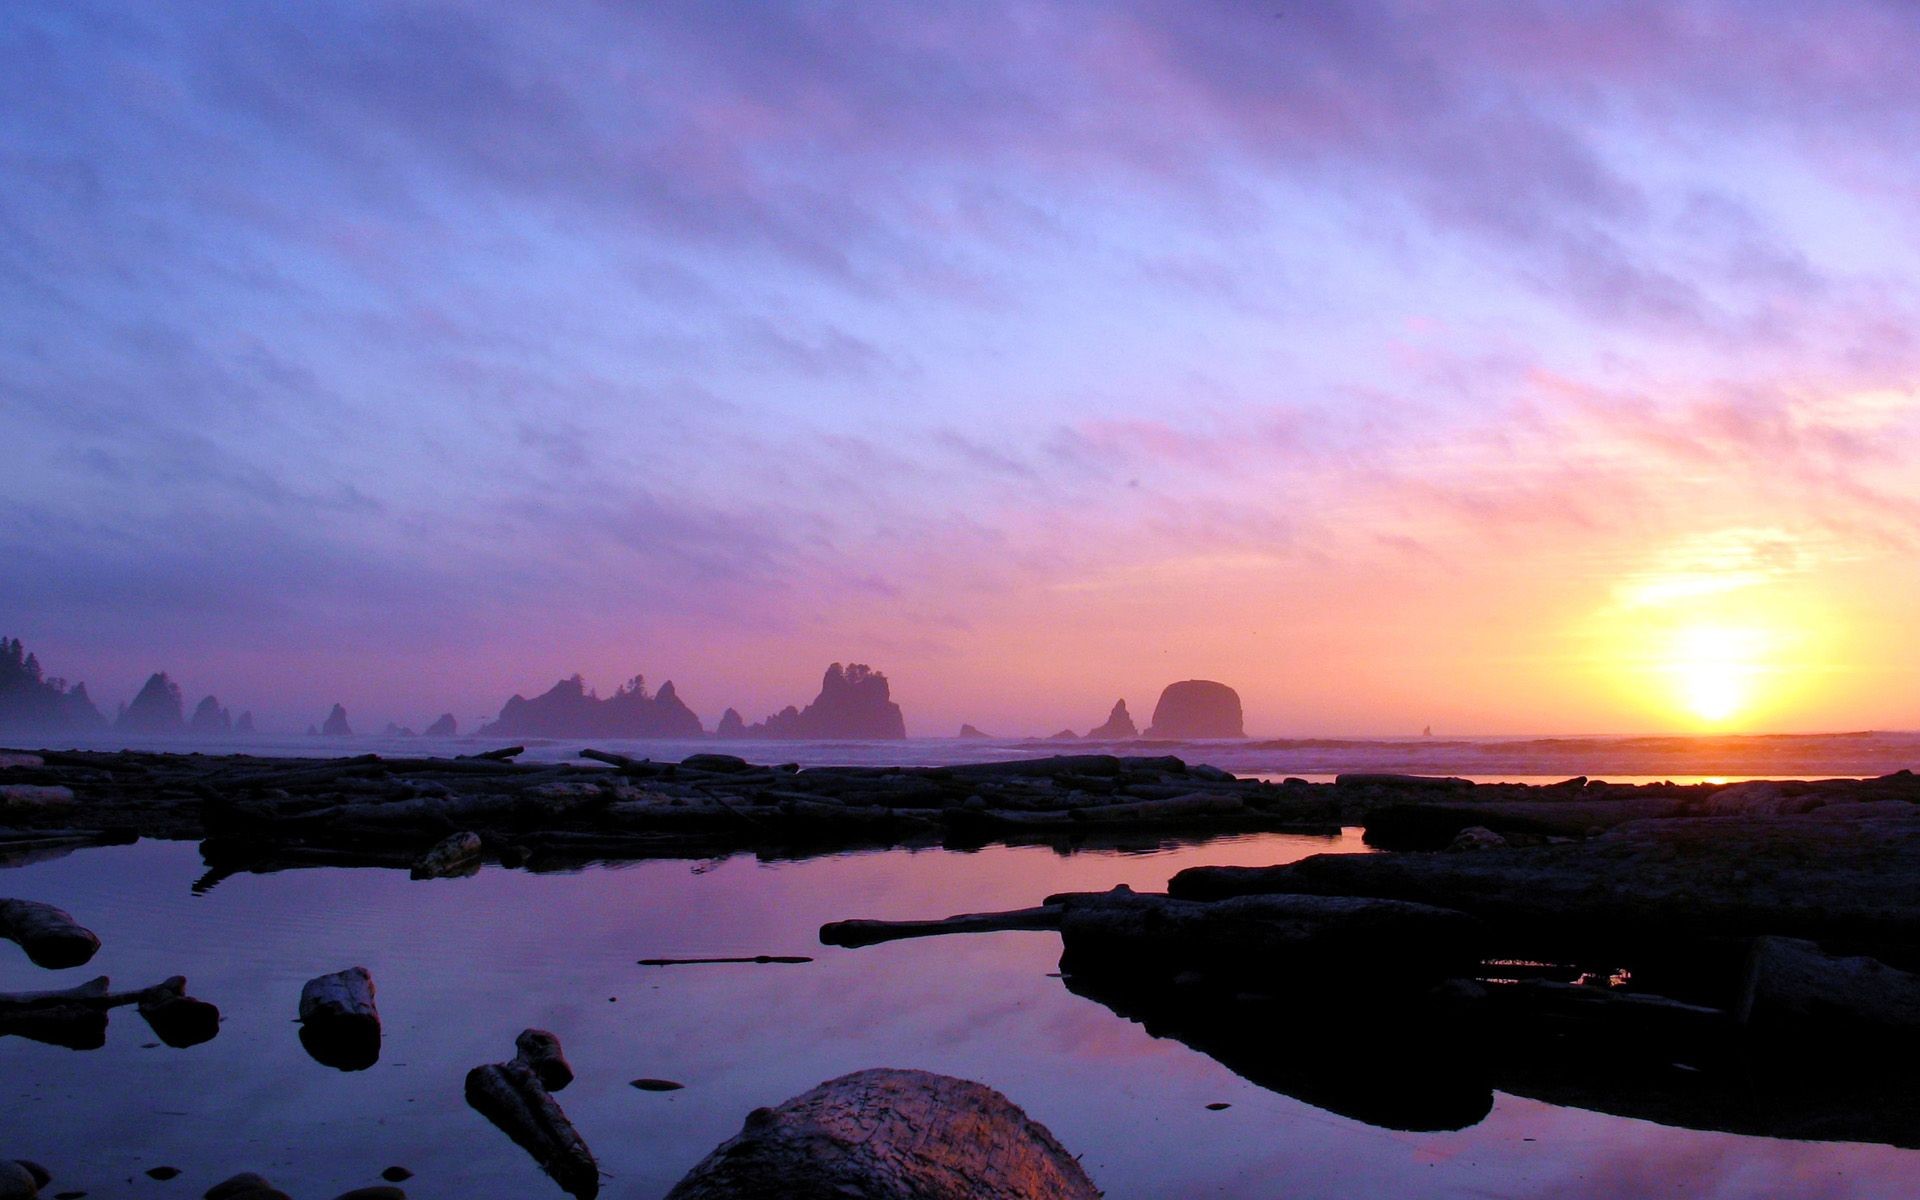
1714 669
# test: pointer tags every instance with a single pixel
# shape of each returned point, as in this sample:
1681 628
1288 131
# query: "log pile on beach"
440 817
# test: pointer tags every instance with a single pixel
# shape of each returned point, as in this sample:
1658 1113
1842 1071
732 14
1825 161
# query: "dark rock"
244 1186
1118 725
1197 708
156 710
379 1191
854 703
244 724
444 726
570 709
163 1173
336 724
16 1182
970 733
891 1135
396 1174
657 1085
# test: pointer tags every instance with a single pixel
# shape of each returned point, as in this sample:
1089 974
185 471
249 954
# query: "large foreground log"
50 936
511 1096
890 1135
339 1025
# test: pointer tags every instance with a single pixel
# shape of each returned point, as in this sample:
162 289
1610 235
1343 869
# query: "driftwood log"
540 1051
50 936
76 1017
339 1024
511 1095
458 854
890 1135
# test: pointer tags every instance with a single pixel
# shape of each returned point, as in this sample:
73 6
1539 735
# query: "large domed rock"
1197 708
890 1135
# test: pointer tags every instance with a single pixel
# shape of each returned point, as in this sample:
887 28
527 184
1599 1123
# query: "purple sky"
1495 366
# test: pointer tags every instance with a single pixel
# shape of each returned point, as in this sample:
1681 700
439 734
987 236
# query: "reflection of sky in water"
463 965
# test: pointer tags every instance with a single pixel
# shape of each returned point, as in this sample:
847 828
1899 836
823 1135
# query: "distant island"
854 704
28 701
570 709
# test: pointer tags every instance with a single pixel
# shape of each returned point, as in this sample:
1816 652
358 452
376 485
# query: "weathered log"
504 754
510 1095
856 933
756 959
50 936
76 1017
540 1051
455 855
339 1025
176 1018
1194 805
890 1135
1793 988
1269 941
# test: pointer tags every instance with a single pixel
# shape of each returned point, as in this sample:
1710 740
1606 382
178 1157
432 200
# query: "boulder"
1197 708
890 1135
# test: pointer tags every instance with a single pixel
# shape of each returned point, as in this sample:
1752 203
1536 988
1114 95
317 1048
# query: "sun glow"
1717 670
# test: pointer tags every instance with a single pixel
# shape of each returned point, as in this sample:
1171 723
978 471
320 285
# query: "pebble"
1217 1105
163 1173
658 1085
396 1174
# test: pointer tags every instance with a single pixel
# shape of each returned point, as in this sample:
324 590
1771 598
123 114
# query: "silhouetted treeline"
31 701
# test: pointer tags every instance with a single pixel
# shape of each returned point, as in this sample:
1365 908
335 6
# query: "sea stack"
1197 708
853 703
444 726
1119 725
336 724
155 710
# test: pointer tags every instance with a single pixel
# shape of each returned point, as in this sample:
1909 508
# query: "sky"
1494 367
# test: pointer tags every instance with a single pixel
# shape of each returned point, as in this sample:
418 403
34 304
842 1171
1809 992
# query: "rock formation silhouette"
156 709
1065 735
209 719
444 726
336 724
1119 725
570 709
30 702
731 725
245 723
969 732
1197 708
853 703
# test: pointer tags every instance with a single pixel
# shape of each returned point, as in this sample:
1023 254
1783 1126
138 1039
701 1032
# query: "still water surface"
462 965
